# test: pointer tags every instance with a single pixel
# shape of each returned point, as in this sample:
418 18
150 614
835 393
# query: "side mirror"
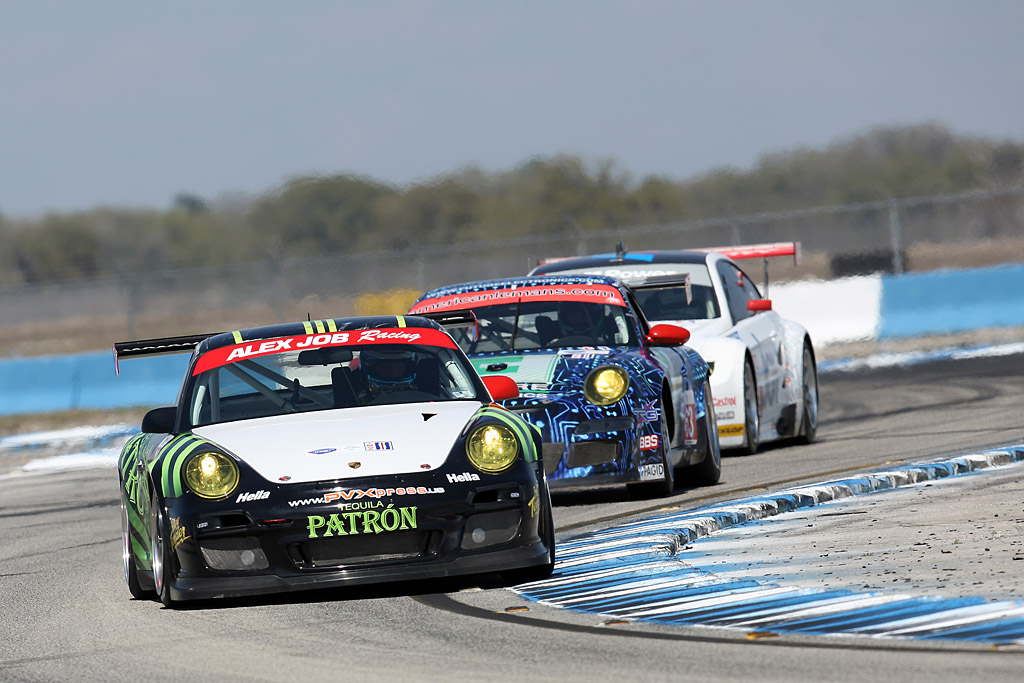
159 420
501 387
668 335
757 305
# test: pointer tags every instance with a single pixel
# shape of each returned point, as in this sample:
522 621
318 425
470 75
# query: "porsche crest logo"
355 465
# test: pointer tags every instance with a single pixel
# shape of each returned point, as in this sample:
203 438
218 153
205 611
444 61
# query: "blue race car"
616 400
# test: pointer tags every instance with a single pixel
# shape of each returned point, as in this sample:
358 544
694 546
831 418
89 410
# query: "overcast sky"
127 103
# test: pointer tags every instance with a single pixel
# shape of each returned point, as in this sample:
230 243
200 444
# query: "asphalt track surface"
65 613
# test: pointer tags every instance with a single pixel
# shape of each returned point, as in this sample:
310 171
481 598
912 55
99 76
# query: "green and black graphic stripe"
518 427
166 469
137 531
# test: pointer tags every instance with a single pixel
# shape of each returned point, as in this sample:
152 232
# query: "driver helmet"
388 371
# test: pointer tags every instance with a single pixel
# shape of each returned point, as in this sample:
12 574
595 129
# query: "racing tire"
751 418
131 572
161 555
709 471
809 418
547 534
665 486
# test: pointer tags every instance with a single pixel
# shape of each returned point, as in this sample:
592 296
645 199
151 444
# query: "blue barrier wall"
918 304
87 380
912 305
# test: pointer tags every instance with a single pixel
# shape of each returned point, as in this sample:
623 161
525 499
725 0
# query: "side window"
749 288
738 290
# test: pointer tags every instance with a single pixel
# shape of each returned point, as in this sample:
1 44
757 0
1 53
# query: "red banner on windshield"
265 347
597 294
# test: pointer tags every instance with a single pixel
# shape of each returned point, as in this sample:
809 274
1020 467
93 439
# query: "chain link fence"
968 230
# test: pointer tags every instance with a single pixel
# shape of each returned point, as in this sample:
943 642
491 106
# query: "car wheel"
751 421
809 421
709 470
666 485
131 572
160 553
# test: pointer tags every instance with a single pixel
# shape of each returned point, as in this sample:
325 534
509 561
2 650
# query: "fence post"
895 238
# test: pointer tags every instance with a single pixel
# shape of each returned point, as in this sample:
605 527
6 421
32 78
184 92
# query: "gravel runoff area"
962 535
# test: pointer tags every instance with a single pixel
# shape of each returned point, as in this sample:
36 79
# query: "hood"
383 440
555 370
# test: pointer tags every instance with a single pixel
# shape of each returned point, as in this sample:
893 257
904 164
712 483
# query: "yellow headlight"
606 385
492 448
211 475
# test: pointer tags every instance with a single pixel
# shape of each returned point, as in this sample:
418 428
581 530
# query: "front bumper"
584 446
298 537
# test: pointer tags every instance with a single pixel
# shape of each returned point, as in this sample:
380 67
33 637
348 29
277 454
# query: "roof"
601 260
325 326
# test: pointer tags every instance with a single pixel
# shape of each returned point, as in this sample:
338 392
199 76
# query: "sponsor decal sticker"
725 401
689 418
465 476
364 522
392 335
725 415
585 352
248 497
649 472
647 414
322 451
378 446
730 430
602 294
533 505
178 533
649 442
374 493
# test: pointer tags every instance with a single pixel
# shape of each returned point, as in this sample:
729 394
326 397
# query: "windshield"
669 303
327 378
526 325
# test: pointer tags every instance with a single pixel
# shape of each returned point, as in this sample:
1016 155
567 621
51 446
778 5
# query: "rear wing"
162 346
745 251
462 319
663 281
768 250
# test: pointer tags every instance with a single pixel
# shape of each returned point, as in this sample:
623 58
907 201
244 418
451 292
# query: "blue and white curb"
635 571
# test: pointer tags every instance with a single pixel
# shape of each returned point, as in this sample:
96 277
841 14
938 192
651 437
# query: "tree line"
320 214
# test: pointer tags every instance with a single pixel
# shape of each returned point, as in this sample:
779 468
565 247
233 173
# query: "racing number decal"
689 418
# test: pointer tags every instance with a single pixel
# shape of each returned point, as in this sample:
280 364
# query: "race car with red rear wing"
765 378
329 453
615 400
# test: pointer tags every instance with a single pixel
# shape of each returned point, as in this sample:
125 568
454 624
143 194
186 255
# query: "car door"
760 331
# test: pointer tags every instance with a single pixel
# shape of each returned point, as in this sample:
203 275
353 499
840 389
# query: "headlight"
211 474
605 386
492 448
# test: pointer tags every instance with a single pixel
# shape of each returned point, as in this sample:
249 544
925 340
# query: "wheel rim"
753 427
126 542
810 392
157 544
712 429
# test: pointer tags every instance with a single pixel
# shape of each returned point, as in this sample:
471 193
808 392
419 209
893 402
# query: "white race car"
765 379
